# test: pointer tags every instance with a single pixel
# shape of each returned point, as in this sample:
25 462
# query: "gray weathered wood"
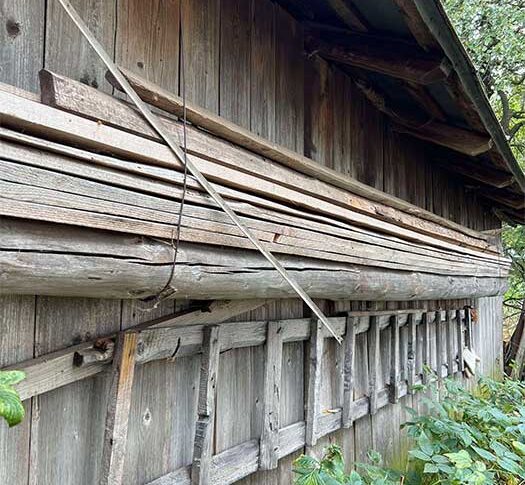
412 351
202 448
450 335
313 407
119 405
269 444
374 359
426 352
460 336
395 360
439 344
348 372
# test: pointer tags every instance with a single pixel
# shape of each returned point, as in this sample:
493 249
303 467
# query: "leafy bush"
468 438
11 408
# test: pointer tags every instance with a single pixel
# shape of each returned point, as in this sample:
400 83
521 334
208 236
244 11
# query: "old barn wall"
244 60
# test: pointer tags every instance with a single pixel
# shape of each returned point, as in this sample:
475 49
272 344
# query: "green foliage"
331 470
11 408
467 438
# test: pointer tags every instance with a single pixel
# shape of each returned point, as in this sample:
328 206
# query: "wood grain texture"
313 407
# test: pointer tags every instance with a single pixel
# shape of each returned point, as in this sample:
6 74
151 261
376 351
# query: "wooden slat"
460 336
412 352
439 344
269 443
313 407
425 320
348 371
119 404
468 328
374 363
450 335
395 360
202 448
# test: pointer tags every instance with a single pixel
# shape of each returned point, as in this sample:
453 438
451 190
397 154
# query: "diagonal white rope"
165 135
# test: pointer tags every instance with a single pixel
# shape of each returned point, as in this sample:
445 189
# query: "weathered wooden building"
351 136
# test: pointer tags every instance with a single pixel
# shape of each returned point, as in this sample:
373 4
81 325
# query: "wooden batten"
374 351
440 348
460 336
411 353
313 407
75 97
348 372
395 360
450 335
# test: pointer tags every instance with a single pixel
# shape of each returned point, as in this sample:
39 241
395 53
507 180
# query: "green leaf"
419 455
519 447
11 377
485 454
11 408
430 468
461 459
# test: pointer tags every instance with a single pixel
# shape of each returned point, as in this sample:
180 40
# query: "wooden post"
374 361
269 445
119 403
439 346
202 448
314 381
426 346
348 372
451 357
461 341
412 352
393 394
468 328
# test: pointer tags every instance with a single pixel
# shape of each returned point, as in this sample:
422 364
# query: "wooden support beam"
439 345
202 447
508 199
374 363
464 141
460 334
450 334
425 100
412 352
348 371
348 14
426 354
395 360
119 405
389 56
313 407
417 26
269 443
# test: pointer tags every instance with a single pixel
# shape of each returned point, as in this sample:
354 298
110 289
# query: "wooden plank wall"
243 60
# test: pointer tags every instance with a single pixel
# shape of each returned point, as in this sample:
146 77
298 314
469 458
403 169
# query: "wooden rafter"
348 14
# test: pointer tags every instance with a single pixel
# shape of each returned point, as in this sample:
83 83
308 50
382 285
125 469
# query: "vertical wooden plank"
234 84
374 363
119 404
394 361
460 334
71 419
17 319
348 374
78 60
263 64
450 334
200 33
412 352
427 363
147 40
269 444
202 448
468 328
439 344
314 381
22 42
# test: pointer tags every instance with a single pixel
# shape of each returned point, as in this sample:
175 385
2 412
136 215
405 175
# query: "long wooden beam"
225 129
54 260
64 93
389 56
459 139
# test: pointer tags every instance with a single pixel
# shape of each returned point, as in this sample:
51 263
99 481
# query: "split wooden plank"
348 371
269 444
450 334
202 448
460 335
374 363
119 404
469 338
395 361
313 408
229 131
412 352
426 352
439 344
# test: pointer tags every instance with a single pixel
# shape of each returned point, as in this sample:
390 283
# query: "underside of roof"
407 59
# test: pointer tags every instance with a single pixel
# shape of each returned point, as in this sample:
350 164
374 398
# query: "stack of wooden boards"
83 158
